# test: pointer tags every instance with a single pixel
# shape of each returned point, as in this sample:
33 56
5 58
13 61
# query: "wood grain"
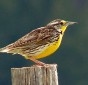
35 75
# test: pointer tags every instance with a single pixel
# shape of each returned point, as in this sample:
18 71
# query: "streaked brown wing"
36 37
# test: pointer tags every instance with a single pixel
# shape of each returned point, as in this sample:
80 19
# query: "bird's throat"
63 28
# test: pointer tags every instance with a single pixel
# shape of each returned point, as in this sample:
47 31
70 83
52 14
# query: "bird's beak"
70 23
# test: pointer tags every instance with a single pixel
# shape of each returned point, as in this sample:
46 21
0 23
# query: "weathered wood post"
35 75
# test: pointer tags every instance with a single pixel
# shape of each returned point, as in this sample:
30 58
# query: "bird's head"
60 24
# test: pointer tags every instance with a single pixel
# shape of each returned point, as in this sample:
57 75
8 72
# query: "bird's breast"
49 49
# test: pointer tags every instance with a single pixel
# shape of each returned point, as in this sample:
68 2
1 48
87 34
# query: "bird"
40 42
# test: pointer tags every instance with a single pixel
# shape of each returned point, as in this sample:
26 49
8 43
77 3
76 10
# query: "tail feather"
4 49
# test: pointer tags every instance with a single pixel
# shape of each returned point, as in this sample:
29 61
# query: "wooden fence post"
35 75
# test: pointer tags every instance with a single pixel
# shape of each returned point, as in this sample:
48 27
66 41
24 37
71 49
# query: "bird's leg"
37 61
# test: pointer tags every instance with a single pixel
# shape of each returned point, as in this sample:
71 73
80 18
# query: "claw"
37 61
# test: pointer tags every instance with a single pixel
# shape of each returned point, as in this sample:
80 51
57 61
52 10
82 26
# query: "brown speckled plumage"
34 39
40 42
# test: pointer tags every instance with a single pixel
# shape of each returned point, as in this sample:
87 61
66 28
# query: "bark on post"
35 75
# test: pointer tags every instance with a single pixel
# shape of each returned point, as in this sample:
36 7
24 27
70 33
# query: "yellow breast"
49 49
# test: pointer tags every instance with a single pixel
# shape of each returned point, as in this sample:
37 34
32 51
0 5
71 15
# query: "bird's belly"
48 49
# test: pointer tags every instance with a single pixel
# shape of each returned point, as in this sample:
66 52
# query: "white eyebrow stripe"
54 23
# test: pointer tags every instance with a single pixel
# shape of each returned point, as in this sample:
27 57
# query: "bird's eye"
61 23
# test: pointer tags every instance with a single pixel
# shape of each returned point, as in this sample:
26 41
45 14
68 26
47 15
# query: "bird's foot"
39 63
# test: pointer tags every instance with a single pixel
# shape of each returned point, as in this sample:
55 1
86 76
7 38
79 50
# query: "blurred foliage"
18 17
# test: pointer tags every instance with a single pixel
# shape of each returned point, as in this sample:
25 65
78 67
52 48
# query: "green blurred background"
18 17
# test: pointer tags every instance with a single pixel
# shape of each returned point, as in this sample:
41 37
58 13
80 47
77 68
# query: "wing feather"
36 38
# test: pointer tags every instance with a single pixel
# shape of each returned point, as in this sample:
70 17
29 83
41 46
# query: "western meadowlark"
40 42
